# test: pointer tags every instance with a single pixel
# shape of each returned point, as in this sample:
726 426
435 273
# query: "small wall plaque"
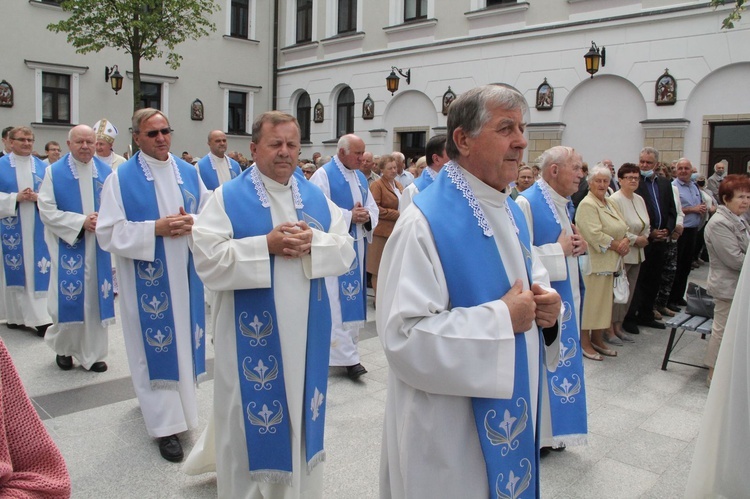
368 108
545 96
6 94
666 90
448 98
196 110
318 112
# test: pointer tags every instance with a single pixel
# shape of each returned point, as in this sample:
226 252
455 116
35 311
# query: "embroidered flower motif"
567 353
44 265
71 290
159 340
267 419
315 404
509 428
261 374
155 307
566 390
254 329
514 488
106 288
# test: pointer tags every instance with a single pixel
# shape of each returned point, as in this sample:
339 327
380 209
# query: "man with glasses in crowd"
53 151
147 213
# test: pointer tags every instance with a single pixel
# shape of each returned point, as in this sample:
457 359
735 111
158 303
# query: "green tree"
145 29
735 15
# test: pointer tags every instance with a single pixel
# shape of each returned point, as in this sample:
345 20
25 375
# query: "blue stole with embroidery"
351 286
259 359
208 172
72 258
12 234
152 278
504 426
426 179
566 386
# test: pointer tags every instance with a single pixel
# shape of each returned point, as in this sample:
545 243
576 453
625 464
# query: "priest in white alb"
466 318
80 298
25 258
216 167
146 216
557 242
264 242
106 133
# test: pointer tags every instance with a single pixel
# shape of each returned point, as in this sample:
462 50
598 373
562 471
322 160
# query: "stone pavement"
642 422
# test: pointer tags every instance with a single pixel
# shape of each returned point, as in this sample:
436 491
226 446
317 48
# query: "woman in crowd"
420 166
606 233
386 192
633 210
726 240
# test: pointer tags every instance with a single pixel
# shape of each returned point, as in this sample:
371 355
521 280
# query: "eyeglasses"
153 133
29 141
632 178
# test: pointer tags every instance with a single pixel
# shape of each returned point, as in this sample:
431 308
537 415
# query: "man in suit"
657 193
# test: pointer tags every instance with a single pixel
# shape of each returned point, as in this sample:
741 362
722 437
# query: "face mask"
694 177
720 174
701 183
647 173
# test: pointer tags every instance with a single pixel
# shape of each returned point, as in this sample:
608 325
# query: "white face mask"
647 173
720 174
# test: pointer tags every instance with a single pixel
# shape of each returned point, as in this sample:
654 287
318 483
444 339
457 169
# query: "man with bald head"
216 167
80 298
25 258
343 183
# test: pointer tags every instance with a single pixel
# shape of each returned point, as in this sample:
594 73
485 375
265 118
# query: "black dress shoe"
14 326
631 328
355 371
544 451
42 330
680 302
98 367
171 449
64 362
652 323
673 307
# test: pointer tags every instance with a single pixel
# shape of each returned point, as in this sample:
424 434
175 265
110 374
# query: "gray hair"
598 169
345 143
144 114
555 155
472 110
651 150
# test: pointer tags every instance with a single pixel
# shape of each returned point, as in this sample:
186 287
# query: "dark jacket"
665 202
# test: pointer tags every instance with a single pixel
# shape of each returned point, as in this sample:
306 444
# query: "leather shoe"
673 307
680 302
64 362
171 449
544 451
13 326
665 311
631 327
98 367
355 371
42 330
652 323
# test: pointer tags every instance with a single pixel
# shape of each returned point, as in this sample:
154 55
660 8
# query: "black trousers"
685 254
646 288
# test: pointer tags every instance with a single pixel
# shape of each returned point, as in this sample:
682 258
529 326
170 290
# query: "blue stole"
259 359
208 171
12 234
509 446
152 278
351 286
567 389
426 179
72 258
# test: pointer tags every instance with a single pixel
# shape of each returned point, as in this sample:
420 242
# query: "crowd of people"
489 291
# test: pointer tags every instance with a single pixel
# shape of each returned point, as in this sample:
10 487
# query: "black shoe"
673 307
171 449
631 328
544 451
652 323
355 371
14 326
42 330
680 302
98 367
64 362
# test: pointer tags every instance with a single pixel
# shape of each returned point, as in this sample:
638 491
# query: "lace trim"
147 169
72 166
343 169
458 179
12 157
510 215
544 187
296 195
432 173
260 189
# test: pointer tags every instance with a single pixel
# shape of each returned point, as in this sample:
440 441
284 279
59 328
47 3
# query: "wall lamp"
114 77
391 82
593 57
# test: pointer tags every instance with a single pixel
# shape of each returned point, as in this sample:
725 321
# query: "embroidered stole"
352 291
152 278
506 434
566 386
426 179
208 171
72 258
259 357
12 233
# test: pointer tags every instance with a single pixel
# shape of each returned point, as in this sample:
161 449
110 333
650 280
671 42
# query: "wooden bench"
685 322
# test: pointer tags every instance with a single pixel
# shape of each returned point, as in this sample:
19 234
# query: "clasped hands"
27 194
621 246
574 245
536 303
290 240
180 224
360 215
89 224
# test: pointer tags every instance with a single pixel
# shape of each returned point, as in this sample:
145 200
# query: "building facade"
673 79
224 80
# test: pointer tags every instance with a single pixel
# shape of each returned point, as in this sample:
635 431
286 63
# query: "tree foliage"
735 15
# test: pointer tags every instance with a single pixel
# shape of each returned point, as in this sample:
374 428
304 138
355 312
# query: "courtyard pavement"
643 423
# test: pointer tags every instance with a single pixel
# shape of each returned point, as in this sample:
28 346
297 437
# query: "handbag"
699 302
621 285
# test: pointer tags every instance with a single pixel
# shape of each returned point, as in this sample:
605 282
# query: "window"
303 116
150 95
304 20
240 15
347 14
345 112
415 9
491 3
55 98
237 113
